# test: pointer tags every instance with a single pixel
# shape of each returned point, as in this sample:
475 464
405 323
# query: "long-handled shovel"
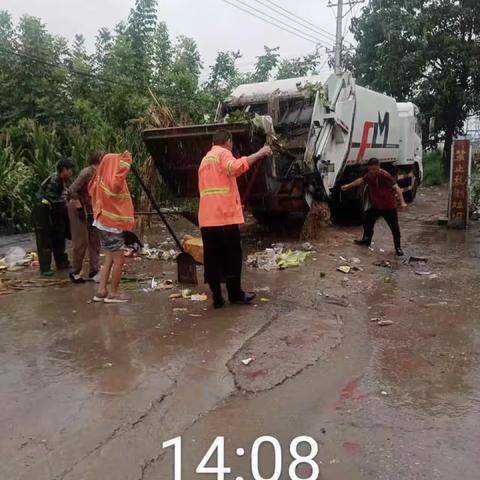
186 265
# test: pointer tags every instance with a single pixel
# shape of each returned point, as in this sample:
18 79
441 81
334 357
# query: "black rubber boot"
218 301
235 293
399 251
364 241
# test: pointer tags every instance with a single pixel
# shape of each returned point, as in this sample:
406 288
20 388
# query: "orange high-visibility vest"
111 200
217 182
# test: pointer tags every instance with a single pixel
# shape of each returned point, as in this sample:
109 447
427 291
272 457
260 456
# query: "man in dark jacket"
50 218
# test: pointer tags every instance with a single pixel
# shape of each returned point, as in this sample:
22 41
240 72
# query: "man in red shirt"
383 192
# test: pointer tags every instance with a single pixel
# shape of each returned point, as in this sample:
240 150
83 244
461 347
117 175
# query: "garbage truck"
323 130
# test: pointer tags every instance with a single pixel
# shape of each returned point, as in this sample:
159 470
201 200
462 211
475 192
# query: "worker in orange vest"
220 214
113 215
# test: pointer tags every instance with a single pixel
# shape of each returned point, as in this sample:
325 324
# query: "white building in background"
472 130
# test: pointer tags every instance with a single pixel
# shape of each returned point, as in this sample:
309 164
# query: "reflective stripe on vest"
211 158
110 193
230 168
115 216
214 191
124 164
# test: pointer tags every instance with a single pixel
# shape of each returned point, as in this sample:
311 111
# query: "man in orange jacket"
220 214
112 216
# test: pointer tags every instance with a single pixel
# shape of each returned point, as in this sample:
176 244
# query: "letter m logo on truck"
380 131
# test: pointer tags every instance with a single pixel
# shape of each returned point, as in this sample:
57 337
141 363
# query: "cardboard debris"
194 247
344 269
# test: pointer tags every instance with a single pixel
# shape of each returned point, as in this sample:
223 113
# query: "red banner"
459 180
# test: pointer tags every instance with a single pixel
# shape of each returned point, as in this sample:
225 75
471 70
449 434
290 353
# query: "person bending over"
383 191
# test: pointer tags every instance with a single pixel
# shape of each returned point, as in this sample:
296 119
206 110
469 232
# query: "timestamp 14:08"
217 448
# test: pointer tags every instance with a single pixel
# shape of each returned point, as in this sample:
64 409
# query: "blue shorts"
112 242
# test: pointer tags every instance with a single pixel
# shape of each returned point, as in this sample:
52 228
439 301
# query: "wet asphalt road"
91 391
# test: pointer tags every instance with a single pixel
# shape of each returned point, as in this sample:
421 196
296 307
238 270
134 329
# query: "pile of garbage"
16 259
157 253
276 258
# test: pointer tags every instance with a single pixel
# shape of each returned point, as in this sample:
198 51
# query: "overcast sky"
214 24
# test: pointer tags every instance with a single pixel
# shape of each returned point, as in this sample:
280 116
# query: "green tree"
40 73
224 75
183 82
162 56
299 66
7 67
265 66
140 31
81 70
426 52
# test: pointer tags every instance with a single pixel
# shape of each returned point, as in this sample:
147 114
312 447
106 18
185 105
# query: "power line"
290 29
329 35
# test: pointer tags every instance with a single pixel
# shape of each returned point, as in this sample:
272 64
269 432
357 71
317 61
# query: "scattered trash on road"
307 246
164 285
248 361
380 322
173 296
344 269
186 292
275 258
414 259
384 323
419 272
8 285
158 253
383 263
198 297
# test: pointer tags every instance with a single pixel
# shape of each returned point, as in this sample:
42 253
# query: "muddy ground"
90 391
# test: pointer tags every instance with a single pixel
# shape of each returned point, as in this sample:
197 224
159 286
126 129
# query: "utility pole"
339 38
339 35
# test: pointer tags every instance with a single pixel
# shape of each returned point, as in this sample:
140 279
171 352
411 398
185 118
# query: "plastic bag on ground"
15 256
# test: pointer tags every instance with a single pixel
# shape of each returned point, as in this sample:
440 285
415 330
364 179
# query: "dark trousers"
390 216
222 253
50 232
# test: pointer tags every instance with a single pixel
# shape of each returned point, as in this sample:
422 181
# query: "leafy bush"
15 183
433 169
475 192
